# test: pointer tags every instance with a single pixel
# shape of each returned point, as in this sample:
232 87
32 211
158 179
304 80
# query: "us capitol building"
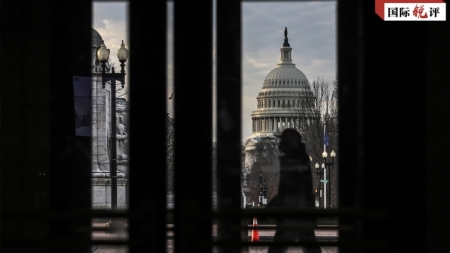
285 101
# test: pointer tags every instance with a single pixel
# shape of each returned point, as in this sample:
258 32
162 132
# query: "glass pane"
109 122
289 81
170 134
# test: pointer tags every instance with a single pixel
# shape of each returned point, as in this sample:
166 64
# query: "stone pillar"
273 124
100 113
253 125
265 124
262 124
270 124
276 124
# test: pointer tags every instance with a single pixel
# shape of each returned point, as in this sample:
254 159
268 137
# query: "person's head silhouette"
291 140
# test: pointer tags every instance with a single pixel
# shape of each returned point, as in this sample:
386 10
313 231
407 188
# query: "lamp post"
318 191
262 201
327 164
103 56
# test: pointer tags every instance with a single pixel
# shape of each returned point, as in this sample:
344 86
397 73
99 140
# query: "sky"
311 32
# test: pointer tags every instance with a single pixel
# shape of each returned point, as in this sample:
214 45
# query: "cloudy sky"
311 32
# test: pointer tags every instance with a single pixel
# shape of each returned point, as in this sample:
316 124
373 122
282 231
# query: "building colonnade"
275 123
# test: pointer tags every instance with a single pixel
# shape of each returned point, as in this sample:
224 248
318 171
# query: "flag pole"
324 168
324 133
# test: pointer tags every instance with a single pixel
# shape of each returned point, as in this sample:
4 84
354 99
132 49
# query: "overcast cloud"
311 32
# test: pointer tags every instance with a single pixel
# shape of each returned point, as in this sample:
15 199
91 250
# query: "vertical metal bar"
347 61
70 155
148 116
229 153
325 189
113 159
193 125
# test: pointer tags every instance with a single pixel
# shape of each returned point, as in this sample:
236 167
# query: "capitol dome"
286 99
96 38
97 41
286 77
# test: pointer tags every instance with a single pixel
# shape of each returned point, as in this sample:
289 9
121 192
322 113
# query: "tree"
325 113
170 145
262 157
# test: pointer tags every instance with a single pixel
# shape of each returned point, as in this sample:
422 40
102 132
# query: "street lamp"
318 190
318 172
327 164
103 56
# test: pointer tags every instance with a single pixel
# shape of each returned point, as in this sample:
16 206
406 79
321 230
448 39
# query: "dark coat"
295 187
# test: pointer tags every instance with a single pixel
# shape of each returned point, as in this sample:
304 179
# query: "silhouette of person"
295 190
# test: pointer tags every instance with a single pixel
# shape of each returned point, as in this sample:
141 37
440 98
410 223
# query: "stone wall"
101 128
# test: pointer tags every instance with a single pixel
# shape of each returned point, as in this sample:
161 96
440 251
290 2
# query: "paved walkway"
101 235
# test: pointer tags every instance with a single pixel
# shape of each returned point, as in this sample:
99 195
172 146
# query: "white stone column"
270 124
273 124
253 125
262 124
265 124
276 124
